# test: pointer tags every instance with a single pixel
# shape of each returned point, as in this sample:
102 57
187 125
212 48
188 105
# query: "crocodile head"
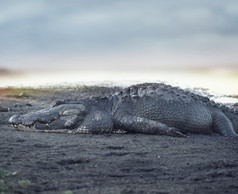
65 117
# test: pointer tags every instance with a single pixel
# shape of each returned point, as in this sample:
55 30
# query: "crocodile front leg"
143 125
96 122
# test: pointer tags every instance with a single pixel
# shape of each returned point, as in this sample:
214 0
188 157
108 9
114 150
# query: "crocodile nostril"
15 119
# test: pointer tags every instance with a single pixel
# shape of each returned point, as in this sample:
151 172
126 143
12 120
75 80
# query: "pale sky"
108 34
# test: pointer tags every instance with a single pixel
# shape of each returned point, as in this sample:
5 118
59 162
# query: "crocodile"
148 108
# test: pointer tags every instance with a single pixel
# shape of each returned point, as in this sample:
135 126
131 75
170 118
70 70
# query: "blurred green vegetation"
26 92
5 180
22 92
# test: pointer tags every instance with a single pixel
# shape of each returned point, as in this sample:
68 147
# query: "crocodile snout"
15 119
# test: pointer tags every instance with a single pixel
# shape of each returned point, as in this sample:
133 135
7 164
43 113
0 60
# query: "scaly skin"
144 108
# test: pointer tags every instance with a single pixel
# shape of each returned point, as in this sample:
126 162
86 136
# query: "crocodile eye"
71 112
72 109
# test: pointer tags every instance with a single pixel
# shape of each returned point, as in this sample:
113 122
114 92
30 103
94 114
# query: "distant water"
221 83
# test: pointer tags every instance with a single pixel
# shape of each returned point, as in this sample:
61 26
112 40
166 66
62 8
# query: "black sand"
108 163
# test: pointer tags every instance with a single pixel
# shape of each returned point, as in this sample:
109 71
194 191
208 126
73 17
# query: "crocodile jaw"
60 117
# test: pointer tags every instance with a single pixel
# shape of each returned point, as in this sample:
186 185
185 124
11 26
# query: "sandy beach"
34 162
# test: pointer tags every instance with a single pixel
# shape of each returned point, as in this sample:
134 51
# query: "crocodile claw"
176 133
